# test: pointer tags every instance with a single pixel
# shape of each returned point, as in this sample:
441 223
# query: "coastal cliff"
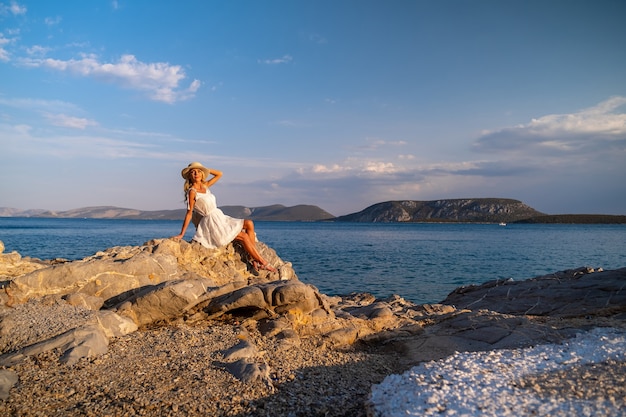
488 210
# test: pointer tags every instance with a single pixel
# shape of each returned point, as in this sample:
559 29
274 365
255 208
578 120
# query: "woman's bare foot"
267 267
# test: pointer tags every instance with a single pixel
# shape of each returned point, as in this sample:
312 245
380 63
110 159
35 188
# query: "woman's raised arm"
216 176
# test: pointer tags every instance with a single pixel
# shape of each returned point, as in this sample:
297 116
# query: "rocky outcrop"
566 294
14 265
78 307
128 288
122 271
489 210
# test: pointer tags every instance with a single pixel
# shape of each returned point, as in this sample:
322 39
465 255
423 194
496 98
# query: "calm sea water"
421 262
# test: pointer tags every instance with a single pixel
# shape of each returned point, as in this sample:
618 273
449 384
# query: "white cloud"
285 59
380 142
380 167
4 54
51 21
595 120
17 9
373 144
39 105
14 8
18 131
20 139
64 120
387 180
37 50
324 169
607 106
160 80
595 129
351 167
77 45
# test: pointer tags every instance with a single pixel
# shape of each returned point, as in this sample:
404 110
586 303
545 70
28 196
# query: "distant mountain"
487 210
268 213
478 210
12 212
100 212
278 212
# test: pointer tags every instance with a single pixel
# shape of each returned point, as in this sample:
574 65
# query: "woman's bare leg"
250 247
248 226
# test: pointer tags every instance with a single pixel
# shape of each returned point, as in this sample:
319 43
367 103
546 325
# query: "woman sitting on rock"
213 227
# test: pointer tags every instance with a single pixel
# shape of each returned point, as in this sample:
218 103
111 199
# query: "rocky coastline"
171 328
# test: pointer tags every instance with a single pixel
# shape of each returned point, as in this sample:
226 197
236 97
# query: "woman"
213 227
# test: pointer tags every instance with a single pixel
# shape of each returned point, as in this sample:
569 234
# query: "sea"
421 262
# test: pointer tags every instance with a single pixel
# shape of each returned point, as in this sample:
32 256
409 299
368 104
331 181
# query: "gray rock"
287 339
88 301
277 297
171 299
343 336
114 325
249 371
103 278
85 341
572 293
270 328
468 331
243 350
377 310
8 378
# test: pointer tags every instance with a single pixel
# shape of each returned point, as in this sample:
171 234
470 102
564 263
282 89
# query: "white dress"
213 227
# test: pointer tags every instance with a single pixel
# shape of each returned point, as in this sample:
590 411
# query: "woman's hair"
189 183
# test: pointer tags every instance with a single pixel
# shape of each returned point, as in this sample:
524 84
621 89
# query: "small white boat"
502 224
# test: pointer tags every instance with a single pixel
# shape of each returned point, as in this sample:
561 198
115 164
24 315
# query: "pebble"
178 370
584 376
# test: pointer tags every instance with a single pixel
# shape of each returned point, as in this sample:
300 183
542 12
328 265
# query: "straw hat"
195 165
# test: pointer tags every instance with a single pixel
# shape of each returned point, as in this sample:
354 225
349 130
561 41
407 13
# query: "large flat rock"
572 293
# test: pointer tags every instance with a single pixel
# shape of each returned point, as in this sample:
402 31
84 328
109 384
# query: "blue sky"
340 104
